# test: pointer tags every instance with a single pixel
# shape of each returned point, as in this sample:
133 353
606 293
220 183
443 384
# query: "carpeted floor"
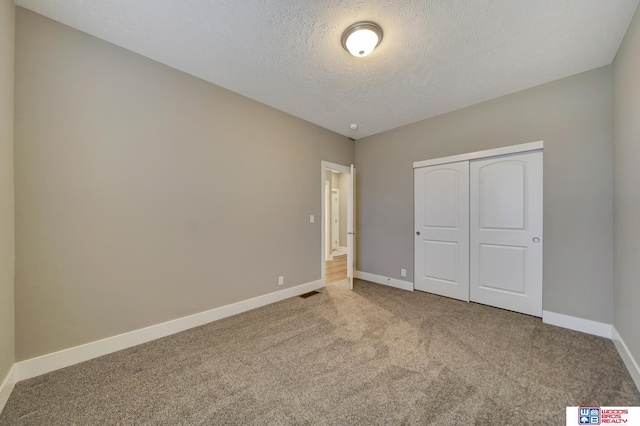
376 355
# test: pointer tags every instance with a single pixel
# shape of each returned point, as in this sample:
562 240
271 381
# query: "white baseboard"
379 279
629 361
46 363
7 386
36 366
341 248
597 329
578 324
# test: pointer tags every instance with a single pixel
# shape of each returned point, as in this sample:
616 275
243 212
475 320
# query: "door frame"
513 149
324 167
327 217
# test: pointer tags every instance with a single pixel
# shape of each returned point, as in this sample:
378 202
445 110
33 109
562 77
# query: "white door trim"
513 149
326 238
351 230
324 166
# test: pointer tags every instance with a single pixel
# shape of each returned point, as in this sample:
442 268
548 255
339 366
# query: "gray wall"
574 118
7 244
626 206
144 194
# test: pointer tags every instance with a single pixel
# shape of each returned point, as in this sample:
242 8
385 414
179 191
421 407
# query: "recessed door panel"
442 229
502 195
441 260
441 198
502 268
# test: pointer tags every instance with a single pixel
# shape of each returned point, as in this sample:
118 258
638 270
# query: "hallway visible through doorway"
337 224
336 269
336 187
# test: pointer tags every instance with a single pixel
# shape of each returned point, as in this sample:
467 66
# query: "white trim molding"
7 386
506 150
379 279
597 329
46 363
629 361
578 324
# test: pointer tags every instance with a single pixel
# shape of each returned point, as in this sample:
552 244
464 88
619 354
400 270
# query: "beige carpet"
376 355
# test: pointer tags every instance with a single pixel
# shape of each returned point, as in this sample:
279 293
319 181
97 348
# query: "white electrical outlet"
312 219
403 272
280 280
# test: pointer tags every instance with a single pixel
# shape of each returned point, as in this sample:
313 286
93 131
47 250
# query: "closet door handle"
417 232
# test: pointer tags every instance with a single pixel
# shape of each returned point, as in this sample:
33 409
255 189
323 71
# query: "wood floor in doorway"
336 269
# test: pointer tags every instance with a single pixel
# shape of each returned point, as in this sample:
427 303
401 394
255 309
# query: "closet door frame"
513 149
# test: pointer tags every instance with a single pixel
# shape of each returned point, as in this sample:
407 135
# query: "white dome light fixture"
361 38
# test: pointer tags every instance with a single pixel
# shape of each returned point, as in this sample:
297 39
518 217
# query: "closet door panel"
506 232
442 229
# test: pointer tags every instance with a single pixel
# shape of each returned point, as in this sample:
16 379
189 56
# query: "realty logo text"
597 415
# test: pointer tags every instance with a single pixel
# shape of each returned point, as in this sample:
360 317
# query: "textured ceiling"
436 55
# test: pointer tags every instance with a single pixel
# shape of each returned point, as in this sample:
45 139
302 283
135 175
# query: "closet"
478 227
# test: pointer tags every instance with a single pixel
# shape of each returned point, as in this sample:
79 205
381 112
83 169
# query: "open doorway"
338 242
336 229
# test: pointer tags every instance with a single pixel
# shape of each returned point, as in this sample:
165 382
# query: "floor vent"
311 293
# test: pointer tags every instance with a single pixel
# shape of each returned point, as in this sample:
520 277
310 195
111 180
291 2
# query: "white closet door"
442 229
506 232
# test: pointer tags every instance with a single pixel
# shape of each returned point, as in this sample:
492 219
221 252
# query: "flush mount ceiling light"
361 38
